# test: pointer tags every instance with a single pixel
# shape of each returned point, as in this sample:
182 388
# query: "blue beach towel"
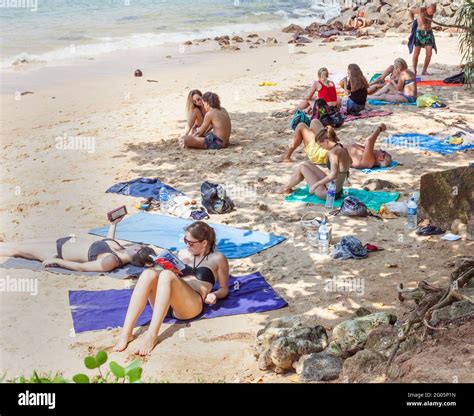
106 309
379 102
378 169
425 142
373 200
168 232
142 187
25 264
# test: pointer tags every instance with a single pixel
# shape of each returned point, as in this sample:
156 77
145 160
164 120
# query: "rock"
271 41
453 311
283 341
293 29
319 366
231 48
362 312
382 340
224 42
237 39
377 184
188 42
350 336
138 73
447 195
361 364
253 35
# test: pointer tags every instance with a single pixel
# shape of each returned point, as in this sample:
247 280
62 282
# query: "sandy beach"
134 126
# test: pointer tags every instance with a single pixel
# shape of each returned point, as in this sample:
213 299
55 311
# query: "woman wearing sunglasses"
181 297
195 112
367 157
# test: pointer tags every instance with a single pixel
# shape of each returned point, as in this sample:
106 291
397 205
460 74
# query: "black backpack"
327 115
215 199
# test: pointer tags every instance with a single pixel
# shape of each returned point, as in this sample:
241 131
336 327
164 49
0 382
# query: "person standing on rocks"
422 35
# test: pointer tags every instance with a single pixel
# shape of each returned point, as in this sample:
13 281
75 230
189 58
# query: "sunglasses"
191 243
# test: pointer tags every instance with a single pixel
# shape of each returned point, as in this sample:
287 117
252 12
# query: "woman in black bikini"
339 163
182 297
70 253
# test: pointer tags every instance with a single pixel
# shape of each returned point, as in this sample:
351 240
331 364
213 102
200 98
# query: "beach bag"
353 207
215 198
426 100
299 117
455 79
327 115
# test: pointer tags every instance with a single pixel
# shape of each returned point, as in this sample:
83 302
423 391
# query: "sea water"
53 31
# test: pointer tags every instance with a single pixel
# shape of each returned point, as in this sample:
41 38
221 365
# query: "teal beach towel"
373 200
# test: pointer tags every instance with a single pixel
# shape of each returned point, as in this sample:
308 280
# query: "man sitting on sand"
214 132
424 37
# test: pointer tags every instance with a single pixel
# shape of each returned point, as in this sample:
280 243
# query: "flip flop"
429 230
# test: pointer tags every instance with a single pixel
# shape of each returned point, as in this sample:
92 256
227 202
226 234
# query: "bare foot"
382 127
282 159
122 342
148 342
425 73
280 190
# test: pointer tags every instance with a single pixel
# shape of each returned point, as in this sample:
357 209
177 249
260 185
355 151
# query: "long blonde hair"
190 106
321 72
327 133
357 78
400 64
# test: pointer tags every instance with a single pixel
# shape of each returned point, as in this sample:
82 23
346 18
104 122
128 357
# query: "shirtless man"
214 132
424 37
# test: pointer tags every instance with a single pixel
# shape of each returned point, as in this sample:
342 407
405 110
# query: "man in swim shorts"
424 37
216 128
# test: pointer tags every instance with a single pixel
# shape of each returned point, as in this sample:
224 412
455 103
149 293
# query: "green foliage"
132 373
465 21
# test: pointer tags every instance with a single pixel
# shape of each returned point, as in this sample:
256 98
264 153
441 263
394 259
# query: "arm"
201 131
333 173
314 88
105 264
190 124
223 280
413 11
382 77
113 225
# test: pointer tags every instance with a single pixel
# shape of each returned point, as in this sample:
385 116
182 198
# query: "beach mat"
142 187
436 83
373 101
373 200
168 232
106 309
367 114
379 169
425 142
25 264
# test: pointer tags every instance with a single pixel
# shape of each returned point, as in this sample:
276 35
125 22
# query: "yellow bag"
426 100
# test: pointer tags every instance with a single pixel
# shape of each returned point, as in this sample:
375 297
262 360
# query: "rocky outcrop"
319 366
447 197
285 340
362 364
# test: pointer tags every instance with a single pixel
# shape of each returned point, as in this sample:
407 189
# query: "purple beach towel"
106 309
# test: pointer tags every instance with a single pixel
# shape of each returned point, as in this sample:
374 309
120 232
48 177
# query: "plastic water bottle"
164 197
331 195
411 214
344 105
323 238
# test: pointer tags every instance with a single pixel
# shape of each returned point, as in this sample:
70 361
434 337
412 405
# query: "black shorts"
211 141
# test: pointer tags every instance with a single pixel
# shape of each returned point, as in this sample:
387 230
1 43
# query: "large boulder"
293 29
319 366
382 340
447 196
453 311
350 336
284 341
361 365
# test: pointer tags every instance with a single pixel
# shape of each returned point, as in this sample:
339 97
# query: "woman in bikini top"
75 254
179 296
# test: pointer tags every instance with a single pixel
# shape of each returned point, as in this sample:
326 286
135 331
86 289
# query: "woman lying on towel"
338 164
393 71
85 256
195 112
402 91
181 297
366 157
307 136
